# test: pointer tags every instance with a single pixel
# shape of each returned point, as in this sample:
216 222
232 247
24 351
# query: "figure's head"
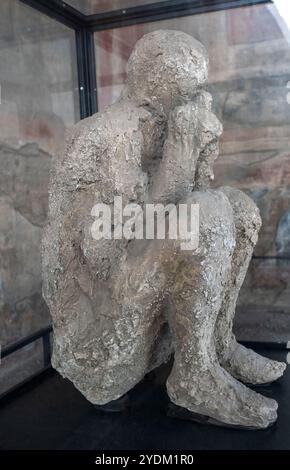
166 69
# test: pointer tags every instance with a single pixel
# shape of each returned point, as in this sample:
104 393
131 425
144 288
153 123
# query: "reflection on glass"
39 98
92 7
249 50
262 312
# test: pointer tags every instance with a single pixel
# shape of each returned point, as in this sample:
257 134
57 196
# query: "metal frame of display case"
84 27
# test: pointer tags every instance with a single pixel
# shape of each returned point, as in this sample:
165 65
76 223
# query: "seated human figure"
121 307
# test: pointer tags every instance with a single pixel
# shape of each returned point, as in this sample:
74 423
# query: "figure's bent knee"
246 213
216 225
213 205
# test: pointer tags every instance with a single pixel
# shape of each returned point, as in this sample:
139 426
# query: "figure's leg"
197 279
241 362
107 338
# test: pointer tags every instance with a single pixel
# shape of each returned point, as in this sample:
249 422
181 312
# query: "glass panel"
262 307
249 55
92 7
21 365
39 98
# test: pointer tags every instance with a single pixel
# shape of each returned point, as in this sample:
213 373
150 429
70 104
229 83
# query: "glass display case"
63 61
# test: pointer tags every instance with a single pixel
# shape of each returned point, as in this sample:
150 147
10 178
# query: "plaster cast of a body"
121 307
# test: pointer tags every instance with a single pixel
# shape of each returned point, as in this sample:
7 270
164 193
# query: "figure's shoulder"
123 116
93 142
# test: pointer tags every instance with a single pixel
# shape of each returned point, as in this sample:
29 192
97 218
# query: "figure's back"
102 158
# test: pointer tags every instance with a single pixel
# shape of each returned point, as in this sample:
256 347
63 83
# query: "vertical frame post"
46 349
86 72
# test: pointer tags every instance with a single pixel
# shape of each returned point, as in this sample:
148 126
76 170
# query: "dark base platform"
115 406
54 415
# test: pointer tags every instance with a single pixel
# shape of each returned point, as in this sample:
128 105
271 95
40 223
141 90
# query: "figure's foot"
178 412
250 367
217 395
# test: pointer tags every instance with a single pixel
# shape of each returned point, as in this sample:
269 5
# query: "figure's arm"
209 132
175 176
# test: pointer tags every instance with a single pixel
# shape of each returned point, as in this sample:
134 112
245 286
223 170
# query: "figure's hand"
176 171
182 127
